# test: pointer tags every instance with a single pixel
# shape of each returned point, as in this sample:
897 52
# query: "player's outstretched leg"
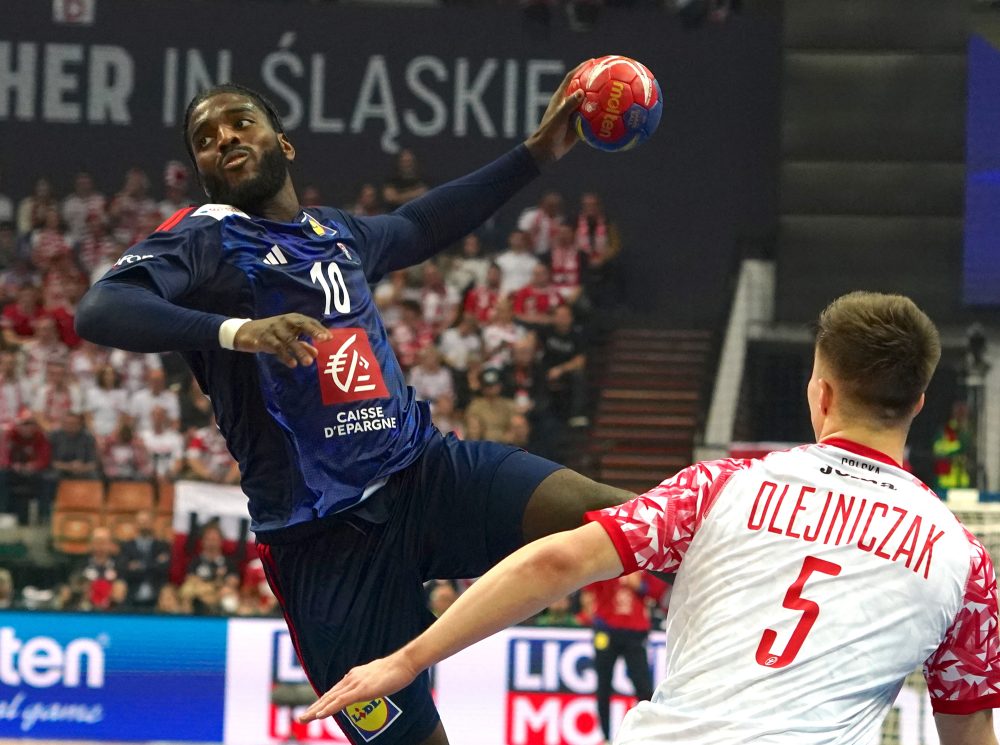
561 500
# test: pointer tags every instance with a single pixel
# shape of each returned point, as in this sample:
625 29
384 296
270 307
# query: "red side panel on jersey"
175 218
963 675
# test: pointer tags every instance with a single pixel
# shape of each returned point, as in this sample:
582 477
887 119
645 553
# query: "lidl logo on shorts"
372 718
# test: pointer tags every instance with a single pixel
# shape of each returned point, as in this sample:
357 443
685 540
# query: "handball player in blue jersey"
355 498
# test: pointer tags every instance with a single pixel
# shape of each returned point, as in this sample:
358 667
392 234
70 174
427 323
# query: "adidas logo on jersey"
275 257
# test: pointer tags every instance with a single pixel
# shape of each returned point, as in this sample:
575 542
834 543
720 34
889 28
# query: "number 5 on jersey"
335 290
795 601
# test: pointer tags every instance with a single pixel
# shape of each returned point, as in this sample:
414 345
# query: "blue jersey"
309 440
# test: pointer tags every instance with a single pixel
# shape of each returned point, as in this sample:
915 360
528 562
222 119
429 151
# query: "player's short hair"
258 98
883 349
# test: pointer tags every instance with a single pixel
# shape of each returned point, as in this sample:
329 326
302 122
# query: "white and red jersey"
480 301
809 583
532 300
567 264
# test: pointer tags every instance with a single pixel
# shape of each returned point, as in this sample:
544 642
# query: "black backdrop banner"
458 86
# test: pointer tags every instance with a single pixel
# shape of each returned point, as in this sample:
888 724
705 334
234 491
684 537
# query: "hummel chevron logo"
275 257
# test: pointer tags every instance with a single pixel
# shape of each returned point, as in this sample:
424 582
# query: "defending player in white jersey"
809 582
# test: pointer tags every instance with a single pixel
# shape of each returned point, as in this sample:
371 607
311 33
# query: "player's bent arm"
521 585
966 729
132 316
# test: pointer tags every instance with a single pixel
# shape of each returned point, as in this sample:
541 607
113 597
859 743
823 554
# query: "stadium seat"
129 496
71 531
80 495
121 525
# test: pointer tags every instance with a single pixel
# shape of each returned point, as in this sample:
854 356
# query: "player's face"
241 160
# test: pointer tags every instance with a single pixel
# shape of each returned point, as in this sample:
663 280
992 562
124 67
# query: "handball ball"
622 103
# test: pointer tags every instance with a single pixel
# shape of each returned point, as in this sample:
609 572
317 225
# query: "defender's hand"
362 684
554 137
280 336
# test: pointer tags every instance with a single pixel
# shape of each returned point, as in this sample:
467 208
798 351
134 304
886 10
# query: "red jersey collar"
858 449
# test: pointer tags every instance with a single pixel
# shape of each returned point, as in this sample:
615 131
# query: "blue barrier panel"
982 181
76 676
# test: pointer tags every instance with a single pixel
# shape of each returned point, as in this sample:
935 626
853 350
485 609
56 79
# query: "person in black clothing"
564 359
98 577
524 379
74 451
406 184
208 573
144 563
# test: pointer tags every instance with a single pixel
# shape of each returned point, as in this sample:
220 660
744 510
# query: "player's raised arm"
518 587
554 136
429 224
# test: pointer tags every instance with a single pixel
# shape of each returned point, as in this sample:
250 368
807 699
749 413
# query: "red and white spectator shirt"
566 263
536 300
809 583
480 302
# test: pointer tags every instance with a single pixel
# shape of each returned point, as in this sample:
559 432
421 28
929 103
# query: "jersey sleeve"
963 674
429 224
653 531
131 307
175 261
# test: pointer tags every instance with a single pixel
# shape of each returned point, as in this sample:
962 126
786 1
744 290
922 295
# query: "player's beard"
250 195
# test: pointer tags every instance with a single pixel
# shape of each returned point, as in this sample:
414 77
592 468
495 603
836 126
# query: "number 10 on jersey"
794 601
335 290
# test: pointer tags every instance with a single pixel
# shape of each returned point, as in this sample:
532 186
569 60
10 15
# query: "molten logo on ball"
622 103
613 108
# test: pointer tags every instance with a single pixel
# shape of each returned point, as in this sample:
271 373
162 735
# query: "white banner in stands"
207 500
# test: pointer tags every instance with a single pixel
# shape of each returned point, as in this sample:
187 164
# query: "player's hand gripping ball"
622 103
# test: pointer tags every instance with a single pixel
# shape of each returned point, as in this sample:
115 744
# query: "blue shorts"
351 585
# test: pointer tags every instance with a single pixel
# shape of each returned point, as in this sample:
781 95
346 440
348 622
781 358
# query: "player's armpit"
966 729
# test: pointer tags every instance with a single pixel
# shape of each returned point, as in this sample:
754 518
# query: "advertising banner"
263 674
238 682
523 686
104 677
551 683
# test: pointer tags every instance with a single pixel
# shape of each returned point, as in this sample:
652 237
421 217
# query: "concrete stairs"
649 385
